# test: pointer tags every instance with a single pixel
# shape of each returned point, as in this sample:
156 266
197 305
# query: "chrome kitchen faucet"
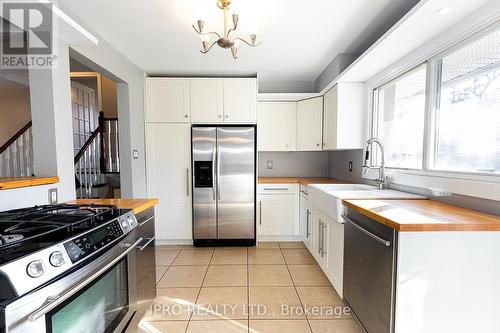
381 180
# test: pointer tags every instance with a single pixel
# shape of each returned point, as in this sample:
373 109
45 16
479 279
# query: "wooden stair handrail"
87 143
15 137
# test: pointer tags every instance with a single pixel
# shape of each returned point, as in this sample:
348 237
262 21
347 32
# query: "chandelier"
225 42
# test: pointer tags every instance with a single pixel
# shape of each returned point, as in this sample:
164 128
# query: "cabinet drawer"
277 189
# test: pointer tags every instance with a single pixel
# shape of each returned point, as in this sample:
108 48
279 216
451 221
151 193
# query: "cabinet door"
276 215
168 168
207 100
240 100
168 100
277 124
330 119
310 124
335 255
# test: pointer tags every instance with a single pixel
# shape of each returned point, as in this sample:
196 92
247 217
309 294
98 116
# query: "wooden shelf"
10 183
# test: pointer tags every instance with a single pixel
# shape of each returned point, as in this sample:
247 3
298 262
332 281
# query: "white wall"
52 135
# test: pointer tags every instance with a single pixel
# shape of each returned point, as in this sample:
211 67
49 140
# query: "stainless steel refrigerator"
224 175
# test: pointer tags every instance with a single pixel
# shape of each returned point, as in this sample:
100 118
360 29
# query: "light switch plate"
135 154
53 196
269 164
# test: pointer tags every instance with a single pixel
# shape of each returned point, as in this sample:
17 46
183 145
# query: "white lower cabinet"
325 241
335 255
277 215
168 160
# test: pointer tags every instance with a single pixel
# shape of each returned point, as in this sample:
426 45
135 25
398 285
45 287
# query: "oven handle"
52 303
149 240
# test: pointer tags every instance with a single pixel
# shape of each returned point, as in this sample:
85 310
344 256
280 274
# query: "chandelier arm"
202 51
249 44
206 33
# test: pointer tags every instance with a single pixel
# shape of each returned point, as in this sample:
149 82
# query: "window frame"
432 100
376 112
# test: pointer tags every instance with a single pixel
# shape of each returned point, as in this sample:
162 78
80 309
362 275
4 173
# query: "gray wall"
294 164
339 165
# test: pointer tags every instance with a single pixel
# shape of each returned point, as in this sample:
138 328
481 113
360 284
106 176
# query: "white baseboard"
174 241
279 239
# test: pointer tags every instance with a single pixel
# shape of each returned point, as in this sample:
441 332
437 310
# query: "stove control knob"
35 269
124 223
56 259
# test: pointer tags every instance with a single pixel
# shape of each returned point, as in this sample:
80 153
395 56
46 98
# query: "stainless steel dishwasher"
369 271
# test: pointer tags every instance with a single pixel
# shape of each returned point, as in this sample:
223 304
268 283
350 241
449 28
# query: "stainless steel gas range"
68 268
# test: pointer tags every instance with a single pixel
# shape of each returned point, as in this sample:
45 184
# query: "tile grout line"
168 266
296 292
199 290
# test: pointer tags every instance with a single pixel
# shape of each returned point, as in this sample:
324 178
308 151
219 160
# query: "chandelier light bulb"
205 45
253 38
235 21
234 51
201 25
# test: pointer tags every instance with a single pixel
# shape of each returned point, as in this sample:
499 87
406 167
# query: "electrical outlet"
350 166
53 196
269 164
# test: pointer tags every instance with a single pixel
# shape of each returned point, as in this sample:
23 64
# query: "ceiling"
299 38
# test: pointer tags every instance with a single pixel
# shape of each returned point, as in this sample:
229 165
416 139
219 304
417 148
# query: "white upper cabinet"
240 100
168 100
277 126
310 124
207 100
343 119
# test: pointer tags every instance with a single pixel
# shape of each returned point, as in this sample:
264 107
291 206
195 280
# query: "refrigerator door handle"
214 172
218 174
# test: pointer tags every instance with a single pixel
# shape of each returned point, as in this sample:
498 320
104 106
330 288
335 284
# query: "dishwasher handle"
366 232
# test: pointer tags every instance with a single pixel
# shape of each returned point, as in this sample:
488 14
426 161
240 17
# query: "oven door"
99 297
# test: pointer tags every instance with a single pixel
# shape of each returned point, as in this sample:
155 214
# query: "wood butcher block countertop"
424 215
137 205
300 180
10 183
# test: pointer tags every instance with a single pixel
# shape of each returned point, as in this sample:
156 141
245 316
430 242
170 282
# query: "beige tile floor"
244 290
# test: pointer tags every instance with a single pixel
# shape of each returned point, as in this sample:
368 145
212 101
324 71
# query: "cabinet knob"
227 116
317 144
185 116
220 116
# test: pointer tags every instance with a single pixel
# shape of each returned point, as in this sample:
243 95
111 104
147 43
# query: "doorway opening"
95 133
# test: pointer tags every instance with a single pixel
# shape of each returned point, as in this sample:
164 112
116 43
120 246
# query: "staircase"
97 163
16 155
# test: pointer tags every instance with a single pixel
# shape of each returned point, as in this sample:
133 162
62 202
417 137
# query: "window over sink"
443 116
400 113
